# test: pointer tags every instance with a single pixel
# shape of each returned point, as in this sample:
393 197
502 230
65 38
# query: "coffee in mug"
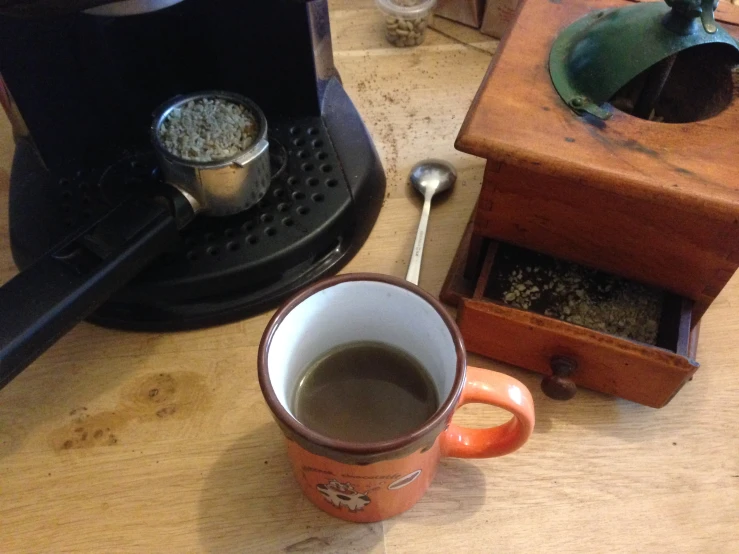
365 392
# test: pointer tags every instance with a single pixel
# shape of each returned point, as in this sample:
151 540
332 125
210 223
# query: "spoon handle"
414 269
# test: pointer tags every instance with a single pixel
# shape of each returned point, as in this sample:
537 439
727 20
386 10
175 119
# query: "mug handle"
489 387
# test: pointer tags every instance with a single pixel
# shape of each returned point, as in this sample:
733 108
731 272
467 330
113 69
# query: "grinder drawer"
534 333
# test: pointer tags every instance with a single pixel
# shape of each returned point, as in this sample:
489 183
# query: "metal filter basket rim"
163 112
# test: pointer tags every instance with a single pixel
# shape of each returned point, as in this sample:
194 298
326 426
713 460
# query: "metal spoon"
429 177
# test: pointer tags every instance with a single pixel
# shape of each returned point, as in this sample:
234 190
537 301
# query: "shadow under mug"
366 482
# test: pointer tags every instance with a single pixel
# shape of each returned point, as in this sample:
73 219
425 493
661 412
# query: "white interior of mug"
356 311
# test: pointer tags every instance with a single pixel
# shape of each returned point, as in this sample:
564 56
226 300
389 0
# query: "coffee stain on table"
89 431
155 397
165 396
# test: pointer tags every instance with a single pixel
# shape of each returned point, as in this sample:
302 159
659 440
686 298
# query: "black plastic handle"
42 303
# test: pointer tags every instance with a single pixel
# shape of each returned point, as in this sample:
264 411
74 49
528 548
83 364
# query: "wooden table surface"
599 474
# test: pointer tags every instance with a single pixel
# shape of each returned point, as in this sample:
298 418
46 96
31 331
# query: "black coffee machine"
80 82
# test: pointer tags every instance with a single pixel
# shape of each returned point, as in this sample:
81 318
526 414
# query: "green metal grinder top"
600 53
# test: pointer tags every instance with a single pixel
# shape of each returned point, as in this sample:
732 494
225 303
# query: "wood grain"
599 475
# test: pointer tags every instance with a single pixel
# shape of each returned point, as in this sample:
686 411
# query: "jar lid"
406 7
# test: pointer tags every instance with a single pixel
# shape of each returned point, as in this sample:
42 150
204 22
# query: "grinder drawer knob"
558 386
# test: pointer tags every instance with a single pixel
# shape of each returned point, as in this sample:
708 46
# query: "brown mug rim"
444 412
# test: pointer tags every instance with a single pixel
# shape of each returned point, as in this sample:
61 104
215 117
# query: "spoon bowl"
435 176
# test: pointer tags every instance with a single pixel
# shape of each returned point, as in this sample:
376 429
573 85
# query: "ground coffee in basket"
208 129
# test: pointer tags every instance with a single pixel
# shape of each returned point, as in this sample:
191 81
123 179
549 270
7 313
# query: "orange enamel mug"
366 482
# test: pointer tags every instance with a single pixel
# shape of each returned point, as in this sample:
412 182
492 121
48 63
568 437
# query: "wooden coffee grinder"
608 220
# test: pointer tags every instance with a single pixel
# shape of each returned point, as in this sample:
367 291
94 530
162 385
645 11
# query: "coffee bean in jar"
406 21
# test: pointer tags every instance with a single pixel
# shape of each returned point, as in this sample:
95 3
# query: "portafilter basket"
222 187
69 282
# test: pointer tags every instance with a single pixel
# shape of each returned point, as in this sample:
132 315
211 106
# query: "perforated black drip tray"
296 221
227 268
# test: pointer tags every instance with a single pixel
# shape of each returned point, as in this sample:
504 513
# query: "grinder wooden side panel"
675 248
